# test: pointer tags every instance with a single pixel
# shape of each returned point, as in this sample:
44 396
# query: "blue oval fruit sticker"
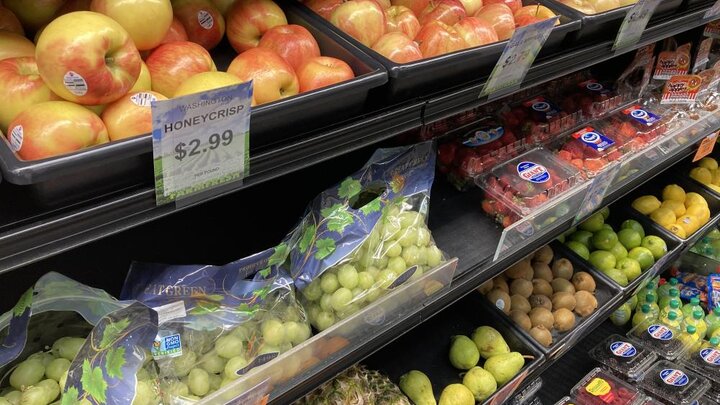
711 356
623 349
674 377
533 172
483 136
660 332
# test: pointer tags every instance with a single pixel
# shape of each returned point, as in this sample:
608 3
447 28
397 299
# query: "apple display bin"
606 24
430 354
326 347
422 77
127 163
606 293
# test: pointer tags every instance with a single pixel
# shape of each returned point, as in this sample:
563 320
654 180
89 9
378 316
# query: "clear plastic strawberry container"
526 184
593 97
623 356
602 388
706 361
634 126
590 150
540 119
566 401
672 384
659 338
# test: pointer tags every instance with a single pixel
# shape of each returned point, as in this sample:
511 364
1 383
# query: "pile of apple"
596 6
97 65
409 30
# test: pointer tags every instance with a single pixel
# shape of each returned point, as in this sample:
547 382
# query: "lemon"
694 198
663 216
699 211
689 223
673 192
708 163
678 230
675 206
701 174
646 204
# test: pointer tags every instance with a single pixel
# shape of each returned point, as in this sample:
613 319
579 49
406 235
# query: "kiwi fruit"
542 271
562 285
520 286
540 301
583 281
541 335
521 269
585 303
521 319
543 255
500 283
520 303
485 287
562 268
541 287
563 300
500 299
541 316
564 319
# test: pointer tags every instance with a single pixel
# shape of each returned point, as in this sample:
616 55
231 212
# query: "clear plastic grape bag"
63 336
217 322
365 236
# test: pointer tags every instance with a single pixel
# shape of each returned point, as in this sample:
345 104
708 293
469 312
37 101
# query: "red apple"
293 42
401 19
203 22
223 5
526 19
385 4
13 45
73 5
476 32
20 87
53 128
363 20
500 17
33 14
445 11
272 77
398 47
537 11
322 71
9 22
514 5
437 38
176 32
323 7
131 115
146 21
172 63
417 6
87 58
471 6
248 20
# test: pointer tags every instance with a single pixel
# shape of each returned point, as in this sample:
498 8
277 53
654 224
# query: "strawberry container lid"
623 356
673 384
635 126
661 339
590 149
593 97
540 118
600 387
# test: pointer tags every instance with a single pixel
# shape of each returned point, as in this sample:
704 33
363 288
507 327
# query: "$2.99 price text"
192 148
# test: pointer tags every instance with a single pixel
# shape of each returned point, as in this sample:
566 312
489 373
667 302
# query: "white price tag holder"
200 141
634 23
596 191
517 57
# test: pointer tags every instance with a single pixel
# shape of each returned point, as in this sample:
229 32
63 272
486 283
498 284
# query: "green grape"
397 265
390 228
314 311
329 282
364 261
373 240
348 276
27 373
381 262
199 340
386 278
68 347
434 256
181 365
373 271
52 389
233 365
291 314
34 396
229 346
313 291
410 218
417 274
215 381
63 380
358 296
422 256
408 237
296 332
212 363
394 249
326 302
242 332
324 320
365 280
199 382
4 401
358 253
45 357
284 347
142 374
14 397
349 310
56 368
225 381
177 389
273 332
267 348
423 236
411 256
341 298
374 294
143 394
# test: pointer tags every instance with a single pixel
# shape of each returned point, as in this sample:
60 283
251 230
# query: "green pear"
463 353
480 382
489 342
504 366
456 394
416 385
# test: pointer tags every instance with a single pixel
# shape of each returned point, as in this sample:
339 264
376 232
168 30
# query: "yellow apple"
87 58
146 21
206 81
143 82
131 115
13 45
20 87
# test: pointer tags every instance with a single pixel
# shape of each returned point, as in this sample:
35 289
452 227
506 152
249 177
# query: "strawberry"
578 163
446 153
489 207
508 138
507 221
565 155
595 165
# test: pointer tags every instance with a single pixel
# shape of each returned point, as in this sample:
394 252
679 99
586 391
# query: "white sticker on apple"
75 83
205 19
143 99
16 138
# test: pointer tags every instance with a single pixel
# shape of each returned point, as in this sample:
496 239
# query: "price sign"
703 55
713 11
517 57
634 23
596 191
200 141
706 146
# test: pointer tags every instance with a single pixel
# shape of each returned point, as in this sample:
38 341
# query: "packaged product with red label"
539 119
602 388
590 150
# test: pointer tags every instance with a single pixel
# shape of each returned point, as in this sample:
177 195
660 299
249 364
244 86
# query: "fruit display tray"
430 355
116 165
412 79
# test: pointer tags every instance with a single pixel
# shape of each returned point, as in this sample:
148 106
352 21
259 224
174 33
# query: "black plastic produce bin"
117 165
426 76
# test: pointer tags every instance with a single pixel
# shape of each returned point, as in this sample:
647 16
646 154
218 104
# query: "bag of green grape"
63 336
217 322
365 236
